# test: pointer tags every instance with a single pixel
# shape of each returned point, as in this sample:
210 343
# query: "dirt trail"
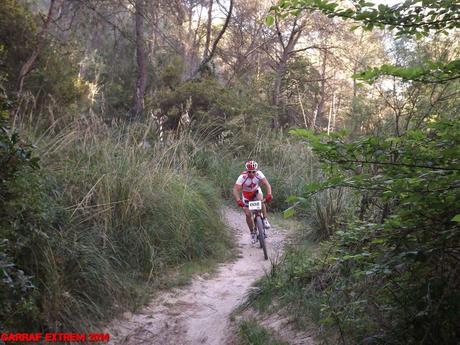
199 313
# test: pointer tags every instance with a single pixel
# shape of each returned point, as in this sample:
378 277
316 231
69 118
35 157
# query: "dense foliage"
118 201
20 219
400 267
91 234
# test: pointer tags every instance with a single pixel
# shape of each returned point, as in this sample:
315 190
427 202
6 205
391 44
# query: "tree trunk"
322 95
194 44
336 111
208 31
356 123
281 66
302 108
27 66
331 119
188 51
138 102
280 71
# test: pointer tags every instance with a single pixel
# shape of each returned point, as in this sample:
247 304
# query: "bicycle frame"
255 207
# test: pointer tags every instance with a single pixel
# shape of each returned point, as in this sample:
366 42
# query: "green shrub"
391 279
23 211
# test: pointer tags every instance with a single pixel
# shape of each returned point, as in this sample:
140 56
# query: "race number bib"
255 205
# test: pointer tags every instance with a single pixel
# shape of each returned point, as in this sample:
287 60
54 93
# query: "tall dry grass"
122 216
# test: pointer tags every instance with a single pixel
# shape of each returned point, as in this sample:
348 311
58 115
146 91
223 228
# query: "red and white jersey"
250 184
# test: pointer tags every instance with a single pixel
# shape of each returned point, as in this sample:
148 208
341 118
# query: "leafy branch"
431 72
409 18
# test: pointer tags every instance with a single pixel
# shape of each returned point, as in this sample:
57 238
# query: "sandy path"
199 313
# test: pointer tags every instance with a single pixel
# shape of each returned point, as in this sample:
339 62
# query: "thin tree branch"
219 36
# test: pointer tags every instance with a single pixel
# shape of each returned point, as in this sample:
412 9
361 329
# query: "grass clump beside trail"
99 223
251 333
284 287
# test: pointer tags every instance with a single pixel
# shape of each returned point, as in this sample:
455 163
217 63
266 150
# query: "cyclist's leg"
251 225
248 214
249 219
260 196
264 210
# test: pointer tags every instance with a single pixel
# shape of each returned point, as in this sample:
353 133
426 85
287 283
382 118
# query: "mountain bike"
256 209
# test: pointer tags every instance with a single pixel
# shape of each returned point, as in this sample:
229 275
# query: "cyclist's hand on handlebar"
240 203
268 198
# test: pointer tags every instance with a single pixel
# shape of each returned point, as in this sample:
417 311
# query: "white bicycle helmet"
251 165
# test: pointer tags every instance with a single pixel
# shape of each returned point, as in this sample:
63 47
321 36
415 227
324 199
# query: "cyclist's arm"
237 191
267 186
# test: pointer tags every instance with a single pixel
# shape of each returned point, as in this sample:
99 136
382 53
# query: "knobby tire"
261 235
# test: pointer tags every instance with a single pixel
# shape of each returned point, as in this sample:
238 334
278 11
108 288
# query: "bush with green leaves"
20 214
23 209
392 277
210 104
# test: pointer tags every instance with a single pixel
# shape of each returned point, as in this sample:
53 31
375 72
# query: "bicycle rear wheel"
261 235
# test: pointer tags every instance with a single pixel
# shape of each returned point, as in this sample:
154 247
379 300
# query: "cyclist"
247 188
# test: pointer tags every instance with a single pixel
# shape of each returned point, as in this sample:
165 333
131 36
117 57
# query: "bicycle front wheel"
261 235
